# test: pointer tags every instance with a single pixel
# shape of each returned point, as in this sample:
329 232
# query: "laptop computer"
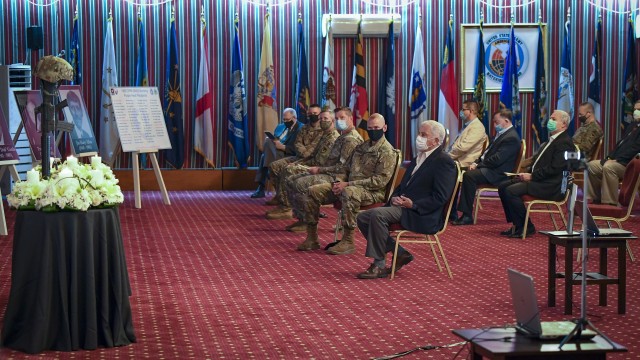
592 227
528 316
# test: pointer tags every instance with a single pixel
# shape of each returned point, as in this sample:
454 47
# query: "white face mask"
636 114
341 124
421 144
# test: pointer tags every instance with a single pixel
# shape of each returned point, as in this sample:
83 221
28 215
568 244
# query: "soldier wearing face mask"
305 144
322 173
360 181
299 167
605 174
589 133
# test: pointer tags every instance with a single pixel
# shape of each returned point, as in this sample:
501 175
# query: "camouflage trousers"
352 198
276 169
288 175
298 190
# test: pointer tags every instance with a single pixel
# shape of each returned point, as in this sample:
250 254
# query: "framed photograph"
496 43
28 102
83 140
8 153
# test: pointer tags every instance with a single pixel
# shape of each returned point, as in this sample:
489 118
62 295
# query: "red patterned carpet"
212 279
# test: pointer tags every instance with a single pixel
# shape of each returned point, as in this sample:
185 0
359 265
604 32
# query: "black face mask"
313 118
288 124
375 135
582 119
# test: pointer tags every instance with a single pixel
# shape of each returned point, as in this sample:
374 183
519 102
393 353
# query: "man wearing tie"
605 174
543 180
490 168
417 203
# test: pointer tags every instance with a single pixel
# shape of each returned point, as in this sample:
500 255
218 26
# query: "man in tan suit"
467 147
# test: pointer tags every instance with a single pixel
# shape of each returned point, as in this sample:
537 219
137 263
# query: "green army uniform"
368 173
587 137
299 167
306 142
341 151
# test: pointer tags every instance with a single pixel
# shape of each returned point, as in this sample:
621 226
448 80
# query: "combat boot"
345 246
311 242
279 213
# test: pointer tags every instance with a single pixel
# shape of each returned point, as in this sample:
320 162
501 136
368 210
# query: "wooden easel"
156 170
4 165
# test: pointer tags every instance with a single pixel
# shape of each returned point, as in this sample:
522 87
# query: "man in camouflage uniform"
323 172
305 144
589 133
299 167
362 181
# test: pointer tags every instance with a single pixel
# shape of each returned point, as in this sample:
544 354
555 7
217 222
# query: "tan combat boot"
345 246
311 242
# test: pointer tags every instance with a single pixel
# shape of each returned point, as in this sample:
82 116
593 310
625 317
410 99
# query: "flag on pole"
630 90
358 101
302 89
328 73
75 53
510 93
594 74
267 115
387 93
448 98
173 102
142 76
565 90
540 111
109 138
417 94
237 133
480 90
203 129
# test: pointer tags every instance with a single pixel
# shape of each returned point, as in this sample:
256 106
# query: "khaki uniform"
298 185
587 138
368 173
305 144
299 167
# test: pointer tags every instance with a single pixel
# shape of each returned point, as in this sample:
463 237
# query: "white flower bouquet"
71 186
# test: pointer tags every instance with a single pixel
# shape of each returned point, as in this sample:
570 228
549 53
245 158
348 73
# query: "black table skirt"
69 283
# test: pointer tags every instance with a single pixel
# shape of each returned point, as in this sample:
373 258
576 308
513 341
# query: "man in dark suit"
417 203
499 157
543 180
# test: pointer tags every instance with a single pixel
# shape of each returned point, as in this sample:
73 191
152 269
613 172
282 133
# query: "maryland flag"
358 101
173 103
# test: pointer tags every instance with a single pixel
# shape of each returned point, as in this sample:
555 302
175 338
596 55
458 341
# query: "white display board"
140 119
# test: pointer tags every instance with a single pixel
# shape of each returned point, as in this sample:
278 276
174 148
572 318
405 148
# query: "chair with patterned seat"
405 236
483 190
626 197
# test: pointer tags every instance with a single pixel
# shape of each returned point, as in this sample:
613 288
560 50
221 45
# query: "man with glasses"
417 203
282 144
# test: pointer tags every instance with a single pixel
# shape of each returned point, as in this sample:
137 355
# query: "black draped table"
69 283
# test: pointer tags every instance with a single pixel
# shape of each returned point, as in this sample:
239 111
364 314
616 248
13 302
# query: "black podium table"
69 283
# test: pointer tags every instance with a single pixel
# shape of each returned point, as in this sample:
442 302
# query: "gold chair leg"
444 258
395 257
338 230
633 258
526 222
435 256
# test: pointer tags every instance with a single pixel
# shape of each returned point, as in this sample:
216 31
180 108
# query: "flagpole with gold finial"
110 18
203 21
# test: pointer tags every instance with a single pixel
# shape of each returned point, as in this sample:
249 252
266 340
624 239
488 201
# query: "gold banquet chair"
484 189
405 236
387 195
578 176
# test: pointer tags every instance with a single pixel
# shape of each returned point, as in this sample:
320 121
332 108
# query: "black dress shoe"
465 220
453 217
259 193
374 272
518 234
509 231
403 259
